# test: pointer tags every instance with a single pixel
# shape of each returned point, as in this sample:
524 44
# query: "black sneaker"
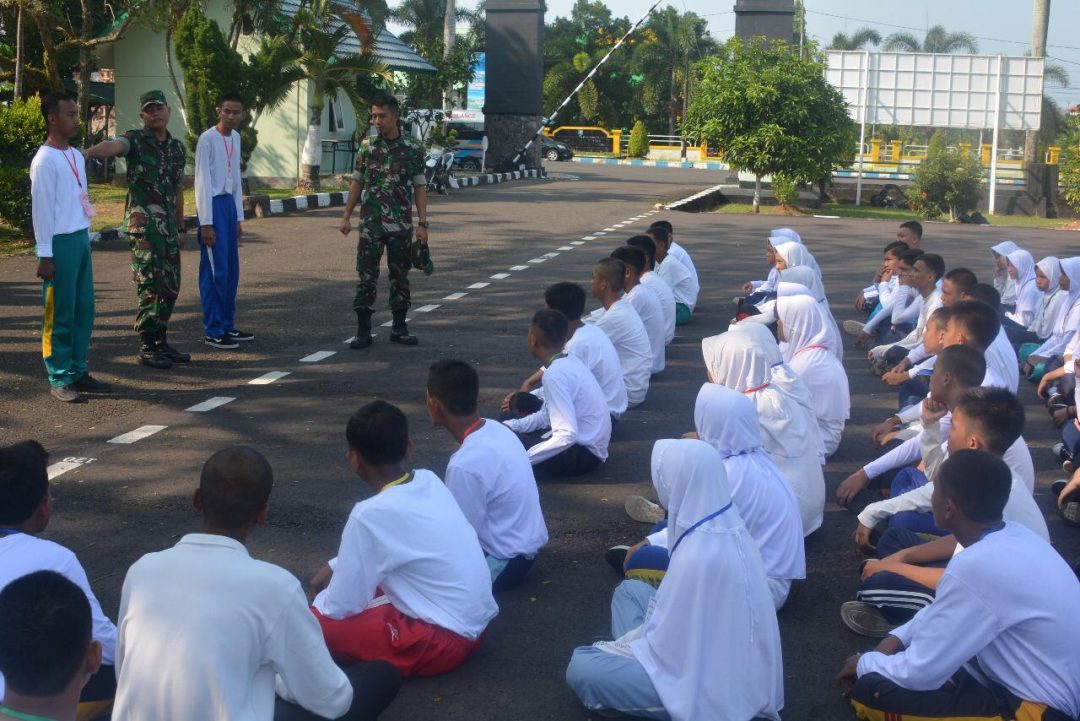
90 384
65 394
239 335
222 343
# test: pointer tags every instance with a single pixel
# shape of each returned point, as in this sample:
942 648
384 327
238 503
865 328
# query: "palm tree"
937 40
856 41
666 57
322 29
426 20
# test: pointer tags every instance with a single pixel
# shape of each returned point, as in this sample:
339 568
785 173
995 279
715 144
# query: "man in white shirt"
207 632
924 273
676 274
409 584
644 301
61 213
574 406
680 253
624 327
1000 640
651 280
25 511
490 475
219 203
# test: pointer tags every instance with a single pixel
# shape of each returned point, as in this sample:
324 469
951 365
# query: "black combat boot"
363 330
399 332
169 352
150 354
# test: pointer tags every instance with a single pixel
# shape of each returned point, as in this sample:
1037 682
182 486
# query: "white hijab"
728 422
1027 293
787 288
1070 314
784 235
795 255
1051 305
710 641
1004 248
808 354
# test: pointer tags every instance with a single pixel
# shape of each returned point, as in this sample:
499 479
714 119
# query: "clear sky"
1001 26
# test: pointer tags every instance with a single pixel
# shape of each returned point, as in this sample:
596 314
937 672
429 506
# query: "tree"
858 40
1069 169
21 131
945 179
322 30
771 112
937 40
426 23
639 141
669 47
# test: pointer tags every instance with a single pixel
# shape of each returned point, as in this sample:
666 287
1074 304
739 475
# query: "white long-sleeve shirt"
55 189
897 305
493 482
591 346
913 340
659 286
680 253
647 305
22 554
204 631
575 410
413 542
627 333
678 277
217 172
1009 602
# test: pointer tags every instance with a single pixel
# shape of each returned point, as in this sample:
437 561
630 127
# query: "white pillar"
994 145
864 93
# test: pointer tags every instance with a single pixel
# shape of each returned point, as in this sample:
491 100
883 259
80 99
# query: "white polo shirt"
663 293
647 305
591 346
678 277
627 333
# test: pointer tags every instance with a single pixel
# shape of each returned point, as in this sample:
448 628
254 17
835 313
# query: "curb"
315 201
637 163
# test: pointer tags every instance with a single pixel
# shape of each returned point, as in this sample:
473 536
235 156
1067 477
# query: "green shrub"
22 130
1069 169
945 180
639 141
784 189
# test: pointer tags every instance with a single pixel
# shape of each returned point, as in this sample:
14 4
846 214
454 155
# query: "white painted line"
318 356
137 435
426 308
68 464
517 268
599 232
455 296
538 260
588 237
500 276
211 404
827 217
609 230
551 255
564 248
268 378
577 242
478 286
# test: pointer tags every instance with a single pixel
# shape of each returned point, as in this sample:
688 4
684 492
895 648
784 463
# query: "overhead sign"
937 90
474 93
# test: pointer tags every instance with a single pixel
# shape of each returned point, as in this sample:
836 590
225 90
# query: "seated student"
207 632
1004 284
47 651
655 283
888 298
644 301
802 327
1047 275
1051 352
910 232
679 252
792 255
1001 358
912 384
789 431
923 273
658 666
624 327
988 419
25 511
793 282
677 276
574 406
1021 269
1000 640
489 475
758 291
409 584
587 343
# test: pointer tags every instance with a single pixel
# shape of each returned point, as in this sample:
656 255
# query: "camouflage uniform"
387 170
155 174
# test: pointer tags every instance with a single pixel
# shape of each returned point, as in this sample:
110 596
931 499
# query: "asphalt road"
119 501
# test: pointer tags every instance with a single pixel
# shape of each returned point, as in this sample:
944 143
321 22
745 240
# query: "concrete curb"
315 201
638 163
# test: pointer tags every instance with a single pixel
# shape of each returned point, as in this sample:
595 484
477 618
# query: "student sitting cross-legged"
208 632
574 406
644 301
683 285
1000 641
623 325
652 280
25 511
489 475
706 645
47 651
409 584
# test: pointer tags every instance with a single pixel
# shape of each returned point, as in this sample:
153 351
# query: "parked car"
554 150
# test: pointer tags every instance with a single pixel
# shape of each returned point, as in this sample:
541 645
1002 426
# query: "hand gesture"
932 411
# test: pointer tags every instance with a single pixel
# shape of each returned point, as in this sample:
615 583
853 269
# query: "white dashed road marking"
455 296
212 403
564 248
519 267
478 286
268 378
500 276
427 308
538 260
319 356
588 237
137 435
68 464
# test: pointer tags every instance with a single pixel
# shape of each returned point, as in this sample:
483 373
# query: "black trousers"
1017 334
573 461
375 684
897 597
513 575
879 699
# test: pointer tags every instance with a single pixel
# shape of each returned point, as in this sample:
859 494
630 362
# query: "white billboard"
932 90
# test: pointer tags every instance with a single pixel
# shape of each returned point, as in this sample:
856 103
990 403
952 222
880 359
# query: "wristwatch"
423 224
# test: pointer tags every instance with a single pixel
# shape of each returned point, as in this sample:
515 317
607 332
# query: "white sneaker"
853 327
643 510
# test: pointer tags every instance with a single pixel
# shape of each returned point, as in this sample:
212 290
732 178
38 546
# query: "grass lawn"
845 210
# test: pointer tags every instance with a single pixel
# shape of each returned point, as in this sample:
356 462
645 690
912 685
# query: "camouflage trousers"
155 264
369 252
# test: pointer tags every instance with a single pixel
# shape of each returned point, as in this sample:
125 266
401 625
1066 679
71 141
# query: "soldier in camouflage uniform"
388 177
153 223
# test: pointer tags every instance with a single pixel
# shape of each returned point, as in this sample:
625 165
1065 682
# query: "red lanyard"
74 167
229 151
473 427
755 389
809 347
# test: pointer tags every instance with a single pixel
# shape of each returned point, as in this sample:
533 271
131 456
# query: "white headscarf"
1004 248
728 422
710 641
784 235
1051 305
804 324
1028 294
808 355
1070 316
737 359
781 376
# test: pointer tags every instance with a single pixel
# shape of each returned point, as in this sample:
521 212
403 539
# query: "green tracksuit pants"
69 309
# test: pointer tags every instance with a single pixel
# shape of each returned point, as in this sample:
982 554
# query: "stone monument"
514 101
